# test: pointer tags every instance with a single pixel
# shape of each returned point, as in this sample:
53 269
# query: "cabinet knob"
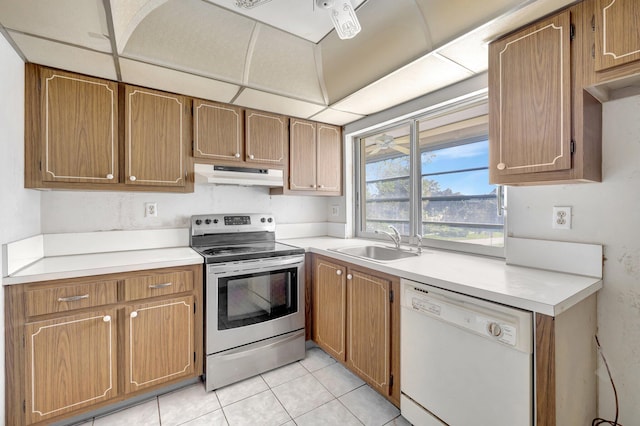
106 318
320 186
251 157
133 314
313 186
349 276
109 176
237 155
339 272
132 178
501 166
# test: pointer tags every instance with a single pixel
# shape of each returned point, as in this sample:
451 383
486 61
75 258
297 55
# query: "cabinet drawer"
157 285
49 300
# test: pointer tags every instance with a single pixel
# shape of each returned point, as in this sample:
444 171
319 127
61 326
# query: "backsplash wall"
74 211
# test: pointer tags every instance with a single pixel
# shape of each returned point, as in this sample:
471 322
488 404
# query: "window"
435 184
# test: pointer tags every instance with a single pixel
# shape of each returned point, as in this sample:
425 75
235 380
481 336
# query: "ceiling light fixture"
343 17
248 4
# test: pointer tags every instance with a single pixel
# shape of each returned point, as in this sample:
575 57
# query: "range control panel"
226 223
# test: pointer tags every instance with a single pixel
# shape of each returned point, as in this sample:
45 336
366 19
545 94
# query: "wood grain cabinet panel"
218 131
49 300
266 138
329 307
79 128
369 328
157 131
329 159
159 342
356 321
154 285
531 100
70 364
302 155
618 33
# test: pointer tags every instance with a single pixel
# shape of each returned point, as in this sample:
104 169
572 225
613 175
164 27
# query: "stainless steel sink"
377 253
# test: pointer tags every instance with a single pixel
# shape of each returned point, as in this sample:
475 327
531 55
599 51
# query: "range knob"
198 222
207 221
270 220
263 220
215 221
494 329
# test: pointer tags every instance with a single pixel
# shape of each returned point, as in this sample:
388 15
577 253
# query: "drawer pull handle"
160 285
73 298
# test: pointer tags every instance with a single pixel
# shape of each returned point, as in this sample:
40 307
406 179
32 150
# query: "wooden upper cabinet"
329 300
329 159
159 342
302 155
267 138
315 158
618 33
158 128
70 364
79 117
530 100
218 131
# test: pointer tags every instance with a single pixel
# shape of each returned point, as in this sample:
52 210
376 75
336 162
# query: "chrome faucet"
419 242
395 236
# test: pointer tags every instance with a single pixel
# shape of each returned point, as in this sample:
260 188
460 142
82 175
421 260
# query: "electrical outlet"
150 209
561 218
335 210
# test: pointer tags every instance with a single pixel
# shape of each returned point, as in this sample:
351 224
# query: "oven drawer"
154 285
62 298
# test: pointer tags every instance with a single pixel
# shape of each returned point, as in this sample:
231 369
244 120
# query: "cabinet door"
618 33
157 129
218 131
70 363
530 100
159 342
79 128
267 138
302 156
329 307
329 158
369 328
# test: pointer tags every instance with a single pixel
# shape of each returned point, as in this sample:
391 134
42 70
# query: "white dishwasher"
464 361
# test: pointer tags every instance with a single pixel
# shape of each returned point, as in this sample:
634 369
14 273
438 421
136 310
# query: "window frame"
442 117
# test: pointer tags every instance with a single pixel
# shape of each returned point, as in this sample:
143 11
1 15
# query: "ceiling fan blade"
401 149
375 150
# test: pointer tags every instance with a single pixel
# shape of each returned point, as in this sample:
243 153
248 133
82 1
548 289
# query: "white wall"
606 213
74 211
19 207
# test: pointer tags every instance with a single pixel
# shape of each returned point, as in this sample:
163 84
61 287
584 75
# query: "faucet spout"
395 236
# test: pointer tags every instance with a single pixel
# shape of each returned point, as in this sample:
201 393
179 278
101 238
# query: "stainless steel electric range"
254 292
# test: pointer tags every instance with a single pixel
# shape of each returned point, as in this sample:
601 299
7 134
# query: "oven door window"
254 298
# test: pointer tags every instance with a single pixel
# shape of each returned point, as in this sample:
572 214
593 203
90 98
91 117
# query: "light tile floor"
314 391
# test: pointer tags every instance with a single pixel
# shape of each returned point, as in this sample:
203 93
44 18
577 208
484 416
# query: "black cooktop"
246 251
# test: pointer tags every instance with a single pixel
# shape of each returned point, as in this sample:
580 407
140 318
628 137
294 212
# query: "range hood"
227 175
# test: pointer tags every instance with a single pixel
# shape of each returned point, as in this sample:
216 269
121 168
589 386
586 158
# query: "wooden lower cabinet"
159 344
80 344
71 363
356 320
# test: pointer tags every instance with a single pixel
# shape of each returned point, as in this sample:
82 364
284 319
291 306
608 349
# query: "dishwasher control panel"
490 320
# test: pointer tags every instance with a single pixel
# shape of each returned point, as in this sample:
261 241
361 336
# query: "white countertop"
536 290
80 265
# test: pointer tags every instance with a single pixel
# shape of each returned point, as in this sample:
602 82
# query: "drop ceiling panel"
127 14
66 57
470 51
336 117
284 64
79 22
393 34
300 17
194 36
423 76
268 102
175 81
